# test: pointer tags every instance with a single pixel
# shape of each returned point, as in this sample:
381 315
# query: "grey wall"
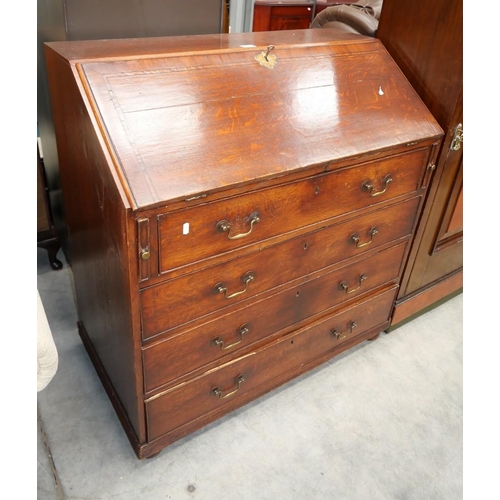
241 16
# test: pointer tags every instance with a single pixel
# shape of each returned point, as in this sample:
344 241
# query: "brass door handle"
217 341
368 186
246 279
355 238
224 226
340 335
216 391
458 138
343 284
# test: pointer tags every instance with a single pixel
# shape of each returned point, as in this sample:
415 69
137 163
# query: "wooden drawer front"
291 11
187 236
180 301
289 23
187 402
290 18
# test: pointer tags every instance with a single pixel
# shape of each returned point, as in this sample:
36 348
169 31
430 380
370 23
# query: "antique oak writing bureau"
239 209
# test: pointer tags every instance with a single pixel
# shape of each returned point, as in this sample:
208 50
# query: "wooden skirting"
419 302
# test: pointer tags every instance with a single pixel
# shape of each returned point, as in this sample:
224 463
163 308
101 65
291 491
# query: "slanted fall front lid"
182 124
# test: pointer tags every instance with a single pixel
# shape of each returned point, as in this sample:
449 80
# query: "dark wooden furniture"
237 215
270 15
291 15
46 233
425 39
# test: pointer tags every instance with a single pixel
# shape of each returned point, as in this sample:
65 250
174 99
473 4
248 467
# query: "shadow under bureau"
239 210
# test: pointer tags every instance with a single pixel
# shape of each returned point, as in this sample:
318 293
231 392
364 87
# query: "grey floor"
382 421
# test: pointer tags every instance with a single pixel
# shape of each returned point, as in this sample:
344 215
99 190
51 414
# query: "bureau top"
187 116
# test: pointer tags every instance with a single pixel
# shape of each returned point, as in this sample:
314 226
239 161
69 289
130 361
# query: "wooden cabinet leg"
52 246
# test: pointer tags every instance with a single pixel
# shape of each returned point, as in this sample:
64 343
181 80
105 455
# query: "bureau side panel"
98 219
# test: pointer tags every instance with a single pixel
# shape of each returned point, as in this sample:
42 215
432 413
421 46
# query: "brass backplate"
267 60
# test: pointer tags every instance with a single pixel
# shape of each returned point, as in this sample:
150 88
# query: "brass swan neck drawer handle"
246 279
343 284
217 341
224 226
217 391
355 238
368 186
340 335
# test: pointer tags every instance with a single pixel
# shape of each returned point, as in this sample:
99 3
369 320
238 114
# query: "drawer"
212 229
291 11
289 23
175 303
208 393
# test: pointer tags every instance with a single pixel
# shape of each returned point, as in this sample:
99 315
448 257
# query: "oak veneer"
169 148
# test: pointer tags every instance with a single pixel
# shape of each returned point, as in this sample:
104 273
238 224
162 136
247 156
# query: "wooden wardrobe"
425 39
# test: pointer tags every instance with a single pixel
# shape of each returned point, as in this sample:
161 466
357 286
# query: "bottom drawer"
206 394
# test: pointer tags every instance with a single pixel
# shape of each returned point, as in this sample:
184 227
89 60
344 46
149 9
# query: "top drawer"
187 236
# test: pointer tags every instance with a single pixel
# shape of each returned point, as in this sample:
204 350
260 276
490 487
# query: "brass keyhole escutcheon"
266 59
